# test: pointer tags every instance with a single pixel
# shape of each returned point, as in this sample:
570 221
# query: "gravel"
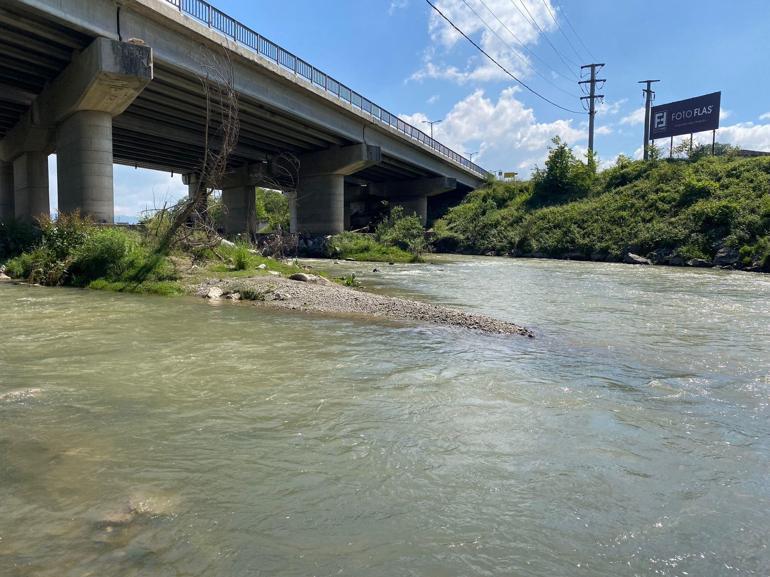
317 294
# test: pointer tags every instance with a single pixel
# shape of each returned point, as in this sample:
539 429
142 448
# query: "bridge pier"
413 195
73 116
84 165
319 206
6 191
30 186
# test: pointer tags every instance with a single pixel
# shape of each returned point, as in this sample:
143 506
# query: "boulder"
214 293
234 296
263 266
303 277
676 260
632 258
4 276
726 256
699 263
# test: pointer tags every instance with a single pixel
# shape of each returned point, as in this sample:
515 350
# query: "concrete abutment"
30 186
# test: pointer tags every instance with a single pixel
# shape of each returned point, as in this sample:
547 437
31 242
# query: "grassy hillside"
672 212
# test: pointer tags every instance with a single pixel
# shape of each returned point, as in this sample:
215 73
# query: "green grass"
163 288
362 247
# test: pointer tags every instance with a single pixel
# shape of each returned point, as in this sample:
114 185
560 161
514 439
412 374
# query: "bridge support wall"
413 205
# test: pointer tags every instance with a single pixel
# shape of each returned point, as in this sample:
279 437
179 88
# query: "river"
168 437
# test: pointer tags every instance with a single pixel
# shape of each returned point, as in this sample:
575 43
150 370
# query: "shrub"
17 236
402 231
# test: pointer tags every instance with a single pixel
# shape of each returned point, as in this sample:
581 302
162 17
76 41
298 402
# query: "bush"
16 237
359 246
402 231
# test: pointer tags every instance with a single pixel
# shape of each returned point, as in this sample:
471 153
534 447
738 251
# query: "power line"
564 15
515 52
555 21
570 65
500 66
522 44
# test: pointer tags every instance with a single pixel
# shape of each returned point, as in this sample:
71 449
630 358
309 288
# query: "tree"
565 177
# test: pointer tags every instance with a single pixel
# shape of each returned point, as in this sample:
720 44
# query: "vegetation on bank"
671 211
71 250
398 237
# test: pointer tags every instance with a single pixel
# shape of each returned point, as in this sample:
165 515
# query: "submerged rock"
20 394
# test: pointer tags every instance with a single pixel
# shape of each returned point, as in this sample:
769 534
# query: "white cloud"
724 113
502 39
765 116
397 5
744 134
505 133
433 99
603 130
636 117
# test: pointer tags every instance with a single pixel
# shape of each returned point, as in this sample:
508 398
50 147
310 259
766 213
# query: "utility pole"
431 122
649 94
592 96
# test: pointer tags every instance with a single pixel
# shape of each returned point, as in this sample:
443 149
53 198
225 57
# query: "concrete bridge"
118 81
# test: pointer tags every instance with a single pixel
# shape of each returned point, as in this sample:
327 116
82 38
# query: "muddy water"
155 436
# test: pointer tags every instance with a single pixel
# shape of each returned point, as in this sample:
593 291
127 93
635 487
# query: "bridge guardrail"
218 20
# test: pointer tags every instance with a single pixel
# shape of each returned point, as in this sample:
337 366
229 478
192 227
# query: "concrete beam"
6 191
106 77
418 187
344 160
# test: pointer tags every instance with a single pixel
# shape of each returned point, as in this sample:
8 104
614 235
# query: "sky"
403 56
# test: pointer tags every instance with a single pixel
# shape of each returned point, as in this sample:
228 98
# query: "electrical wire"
583 44
523 45
555 21
515 52
568 63
500 66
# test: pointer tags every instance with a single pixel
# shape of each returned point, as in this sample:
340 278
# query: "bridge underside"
94 100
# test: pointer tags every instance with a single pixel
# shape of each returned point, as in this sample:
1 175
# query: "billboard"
685 116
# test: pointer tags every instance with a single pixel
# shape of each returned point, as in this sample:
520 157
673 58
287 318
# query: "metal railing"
218 20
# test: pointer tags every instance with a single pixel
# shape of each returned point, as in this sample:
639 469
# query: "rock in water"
632 258
699 263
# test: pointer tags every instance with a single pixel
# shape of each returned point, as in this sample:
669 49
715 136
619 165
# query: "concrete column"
240 209
6 191
30 186
321 204
413 205
84 165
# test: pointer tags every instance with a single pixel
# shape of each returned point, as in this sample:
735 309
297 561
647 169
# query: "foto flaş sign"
685 116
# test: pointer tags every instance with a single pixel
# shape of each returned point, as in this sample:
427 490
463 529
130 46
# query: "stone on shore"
215 293
632 258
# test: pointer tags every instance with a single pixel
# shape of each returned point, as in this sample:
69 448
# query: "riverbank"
700 212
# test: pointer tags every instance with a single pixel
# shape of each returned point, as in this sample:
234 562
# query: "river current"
167 437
